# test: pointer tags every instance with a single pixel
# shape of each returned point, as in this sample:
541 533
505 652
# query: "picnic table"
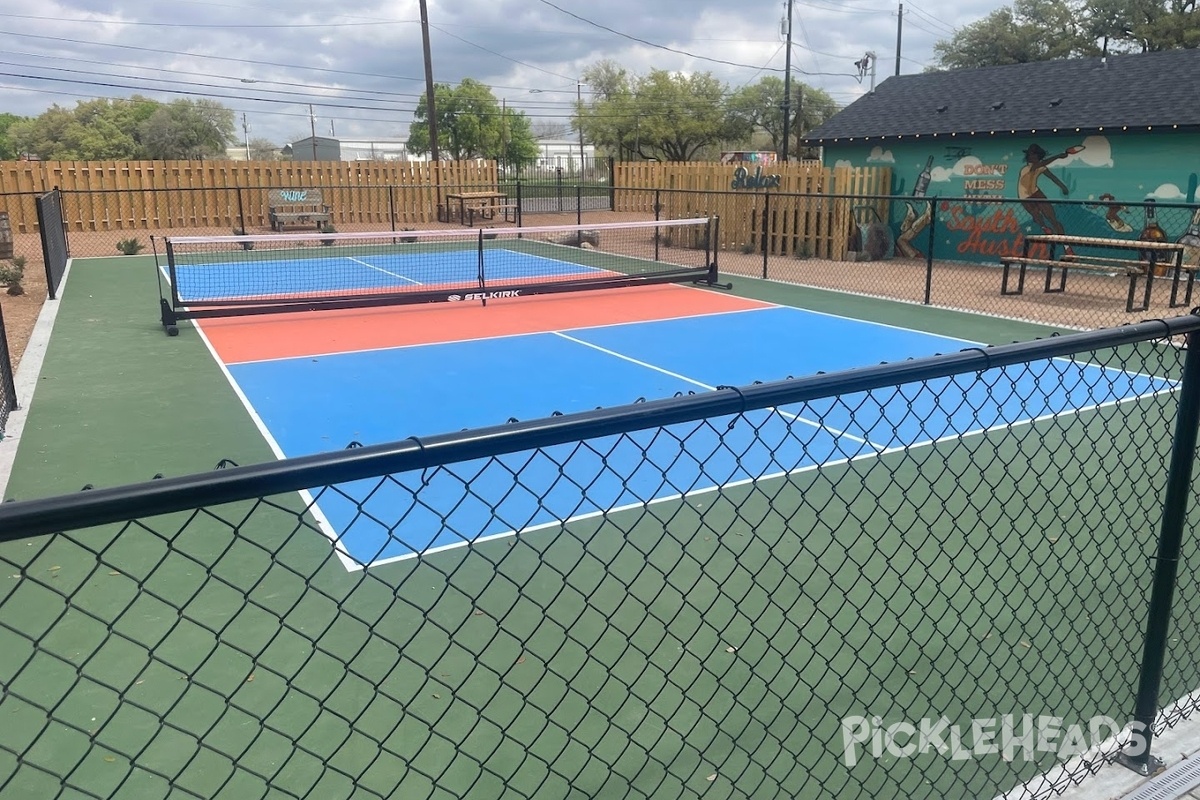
484 204
1148 259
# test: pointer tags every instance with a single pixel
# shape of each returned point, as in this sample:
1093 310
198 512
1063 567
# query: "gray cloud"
361 67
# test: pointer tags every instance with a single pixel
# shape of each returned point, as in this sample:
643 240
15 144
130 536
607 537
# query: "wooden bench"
297 206
1087 264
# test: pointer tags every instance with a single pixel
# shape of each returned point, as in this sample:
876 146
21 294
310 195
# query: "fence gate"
54 239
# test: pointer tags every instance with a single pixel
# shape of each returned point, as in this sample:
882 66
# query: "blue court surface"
322 403
358 270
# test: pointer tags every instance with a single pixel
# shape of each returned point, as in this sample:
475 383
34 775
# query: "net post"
657 210
170 318
520 222
482 276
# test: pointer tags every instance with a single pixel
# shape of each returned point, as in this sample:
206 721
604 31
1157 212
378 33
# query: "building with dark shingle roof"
1121 136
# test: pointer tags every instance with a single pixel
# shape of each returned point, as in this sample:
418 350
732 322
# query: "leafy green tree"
187 129
8 151
670 116
114 129
471 124
1040 30
759 106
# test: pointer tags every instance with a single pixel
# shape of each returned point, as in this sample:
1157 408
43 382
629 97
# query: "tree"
8 151
550 129
664 115
187 129
759 106
1040 30
263 150
114 129
471 124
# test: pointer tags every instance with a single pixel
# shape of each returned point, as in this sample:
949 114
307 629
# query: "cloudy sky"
361 68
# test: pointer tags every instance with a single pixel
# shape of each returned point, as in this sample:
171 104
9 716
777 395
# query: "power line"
500 55
653 44
211 24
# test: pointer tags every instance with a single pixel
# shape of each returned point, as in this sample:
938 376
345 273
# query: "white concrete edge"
28 374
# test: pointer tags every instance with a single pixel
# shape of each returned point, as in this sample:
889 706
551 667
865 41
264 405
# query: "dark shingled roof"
1145 89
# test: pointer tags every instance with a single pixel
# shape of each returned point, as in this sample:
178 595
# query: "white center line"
781 412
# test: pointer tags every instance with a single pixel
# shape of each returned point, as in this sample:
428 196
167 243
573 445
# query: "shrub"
12 274
130 247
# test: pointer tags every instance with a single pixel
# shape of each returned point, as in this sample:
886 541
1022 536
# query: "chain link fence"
951 252
834 586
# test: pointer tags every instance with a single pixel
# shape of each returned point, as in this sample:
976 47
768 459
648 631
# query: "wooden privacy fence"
132 195
810 211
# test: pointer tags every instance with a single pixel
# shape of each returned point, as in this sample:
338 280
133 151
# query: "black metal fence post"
241 210
520 222
1166 564
558 187
929 251
766 232
392 206
578 204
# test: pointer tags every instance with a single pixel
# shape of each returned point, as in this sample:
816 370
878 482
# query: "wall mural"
1120 191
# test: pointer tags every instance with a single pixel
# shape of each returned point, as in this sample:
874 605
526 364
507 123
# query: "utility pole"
312 123
429 93
246 132
899 29
787 86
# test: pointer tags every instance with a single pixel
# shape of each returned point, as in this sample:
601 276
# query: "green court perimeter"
228 654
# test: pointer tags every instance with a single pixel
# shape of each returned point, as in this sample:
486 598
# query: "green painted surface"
117 400
230 655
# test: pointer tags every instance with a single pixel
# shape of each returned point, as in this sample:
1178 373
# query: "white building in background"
563 153
379 150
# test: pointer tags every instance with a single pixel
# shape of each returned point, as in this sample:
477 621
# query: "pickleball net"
234 275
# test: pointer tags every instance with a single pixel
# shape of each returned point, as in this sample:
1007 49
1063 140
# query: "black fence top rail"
118 504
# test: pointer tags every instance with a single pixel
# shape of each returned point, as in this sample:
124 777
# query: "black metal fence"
8 386
52 227
876 583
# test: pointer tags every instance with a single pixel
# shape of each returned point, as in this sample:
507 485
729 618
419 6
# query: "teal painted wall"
1114 175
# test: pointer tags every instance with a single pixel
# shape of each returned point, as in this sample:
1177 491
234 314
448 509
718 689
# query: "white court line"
781 412
310 503
770 476
384 271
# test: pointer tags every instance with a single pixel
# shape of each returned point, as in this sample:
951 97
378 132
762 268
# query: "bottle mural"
1152 232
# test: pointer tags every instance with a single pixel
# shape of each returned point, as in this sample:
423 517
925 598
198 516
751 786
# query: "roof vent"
997 106
942 108
1056 101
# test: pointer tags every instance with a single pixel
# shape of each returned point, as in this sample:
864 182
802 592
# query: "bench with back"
296 206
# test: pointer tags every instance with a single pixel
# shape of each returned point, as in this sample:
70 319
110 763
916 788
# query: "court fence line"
726 591
8 385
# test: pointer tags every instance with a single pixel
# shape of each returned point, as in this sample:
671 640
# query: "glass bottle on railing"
923 179
1152 232
1191 237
